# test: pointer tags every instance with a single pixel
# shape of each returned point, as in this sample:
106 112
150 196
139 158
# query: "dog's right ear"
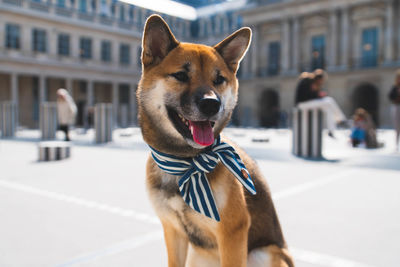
157 42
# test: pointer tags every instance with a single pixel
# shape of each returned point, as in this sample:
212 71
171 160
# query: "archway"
366 96
269 111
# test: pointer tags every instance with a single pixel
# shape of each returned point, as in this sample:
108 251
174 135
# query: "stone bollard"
48 120
8 118
307 133
123 116
54 150
103 122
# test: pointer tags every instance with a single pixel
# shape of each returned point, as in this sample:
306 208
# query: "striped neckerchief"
193 184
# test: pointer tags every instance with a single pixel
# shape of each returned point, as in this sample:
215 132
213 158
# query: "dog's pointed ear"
234 47
157 42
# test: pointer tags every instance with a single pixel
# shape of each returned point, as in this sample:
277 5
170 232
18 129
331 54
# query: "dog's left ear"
234 47
157 42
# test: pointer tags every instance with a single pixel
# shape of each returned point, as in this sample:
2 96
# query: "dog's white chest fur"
169 204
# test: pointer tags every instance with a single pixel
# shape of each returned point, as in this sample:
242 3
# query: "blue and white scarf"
193 185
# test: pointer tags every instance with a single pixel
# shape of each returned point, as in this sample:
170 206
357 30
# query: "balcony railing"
69 12
272 70
39 6
75 61
64 11
13 2
366 62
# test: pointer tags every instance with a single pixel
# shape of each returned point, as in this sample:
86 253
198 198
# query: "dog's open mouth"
200 132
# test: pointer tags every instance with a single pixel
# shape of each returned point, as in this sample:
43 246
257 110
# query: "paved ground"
92 209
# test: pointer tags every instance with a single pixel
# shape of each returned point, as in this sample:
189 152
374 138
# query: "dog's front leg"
232 245
177 245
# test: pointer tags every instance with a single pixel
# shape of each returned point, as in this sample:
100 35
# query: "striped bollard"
8 118
48 120
103 122
307 133
54 150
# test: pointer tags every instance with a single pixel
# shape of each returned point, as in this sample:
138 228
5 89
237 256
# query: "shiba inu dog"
186 96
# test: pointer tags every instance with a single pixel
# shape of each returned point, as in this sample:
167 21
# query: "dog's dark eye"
220 79
181 76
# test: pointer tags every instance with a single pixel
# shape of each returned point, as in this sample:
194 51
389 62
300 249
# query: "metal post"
48 120
115 102
103 122
8 118
304 132
307 132
54 150
295 129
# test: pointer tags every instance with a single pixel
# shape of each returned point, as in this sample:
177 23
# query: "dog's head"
187 92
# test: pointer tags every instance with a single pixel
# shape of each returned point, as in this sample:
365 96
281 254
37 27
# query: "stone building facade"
356 41
92 48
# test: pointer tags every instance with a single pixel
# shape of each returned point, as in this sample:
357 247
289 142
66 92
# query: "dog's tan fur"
249 232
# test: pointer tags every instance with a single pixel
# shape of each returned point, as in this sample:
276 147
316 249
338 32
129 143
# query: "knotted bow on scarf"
193 185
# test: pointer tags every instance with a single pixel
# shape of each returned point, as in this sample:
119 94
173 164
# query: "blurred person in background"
394 97
309 95
363 132
66 111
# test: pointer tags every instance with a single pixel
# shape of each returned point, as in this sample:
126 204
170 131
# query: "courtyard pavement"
93 210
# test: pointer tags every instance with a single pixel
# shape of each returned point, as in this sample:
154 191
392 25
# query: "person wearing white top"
66 111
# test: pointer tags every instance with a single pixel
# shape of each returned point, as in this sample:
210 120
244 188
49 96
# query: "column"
254 54
398 32
285 46
14 88
344 46
333 25
115 102
69 86
296 45
245 65
14 94
74 7
89 94
389 32
42 89
89 105
132 104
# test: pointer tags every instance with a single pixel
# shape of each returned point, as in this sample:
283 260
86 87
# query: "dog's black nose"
209 105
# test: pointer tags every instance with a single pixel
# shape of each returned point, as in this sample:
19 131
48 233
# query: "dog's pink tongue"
202 132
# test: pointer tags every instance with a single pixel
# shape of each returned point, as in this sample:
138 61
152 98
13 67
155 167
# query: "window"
369 54
83 6
61 3
104 8
239 21
205 28
63 44
274 55
113 7
131 13
106 51
124 54
230 20
318 52
214 24
86 48
13 36
122 13
39 40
